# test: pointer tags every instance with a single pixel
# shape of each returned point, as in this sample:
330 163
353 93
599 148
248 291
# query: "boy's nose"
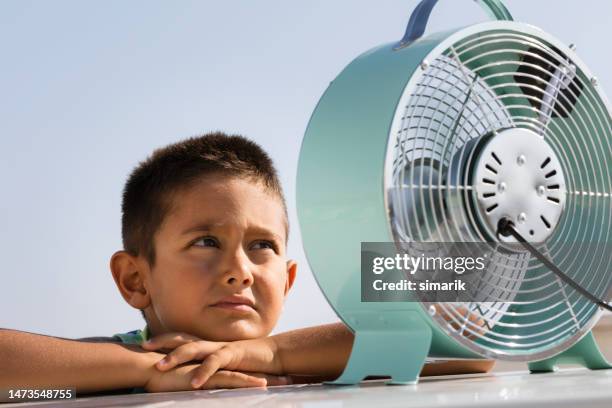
239 280
238 272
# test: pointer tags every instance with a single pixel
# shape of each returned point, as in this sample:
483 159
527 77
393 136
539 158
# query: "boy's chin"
231 330
235 335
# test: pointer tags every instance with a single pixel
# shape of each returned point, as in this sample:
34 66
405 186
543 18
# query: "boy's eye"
206 242
263 245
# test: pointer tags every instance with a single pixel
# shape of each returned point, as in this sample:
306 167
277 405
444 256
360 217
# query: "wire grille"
485 83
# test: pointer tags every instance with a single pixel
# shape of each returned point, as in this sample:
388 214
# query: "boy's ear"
291 272
129 278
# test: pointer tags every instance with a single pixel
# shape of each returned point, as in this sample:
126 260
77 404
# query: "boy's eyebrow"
262 230
201 227
210 226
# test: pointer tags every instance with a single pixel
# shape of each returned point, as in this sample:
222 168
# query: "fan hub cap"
518 176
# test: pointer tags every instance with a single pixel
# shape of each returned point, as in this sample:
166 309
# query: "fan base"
585 352
395 344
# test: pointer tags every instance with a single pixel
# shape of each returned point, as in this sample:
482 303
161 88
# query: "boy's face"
220 271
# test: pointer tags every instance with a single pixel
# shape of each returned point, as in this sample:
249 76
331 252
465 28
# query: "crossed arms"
304 355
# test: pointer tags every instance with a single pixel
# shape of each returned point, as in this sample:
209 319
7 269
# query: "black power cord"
506 228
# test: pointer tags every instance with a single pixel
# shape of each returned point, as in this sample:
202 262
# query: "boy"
204 229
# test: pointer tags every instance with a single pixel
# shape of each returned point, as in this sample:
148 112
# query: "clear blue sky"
88 89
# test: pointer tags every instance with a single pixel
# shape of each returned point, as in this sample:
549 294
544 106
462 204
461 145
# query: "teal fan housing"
434 139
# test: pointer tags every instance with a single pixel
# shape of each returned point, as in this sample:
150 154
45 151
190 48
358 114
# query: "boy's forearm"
320 350
32 360
325 350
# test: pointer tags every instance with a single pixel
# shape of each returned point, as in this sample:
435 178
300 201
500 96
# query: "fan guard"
458 110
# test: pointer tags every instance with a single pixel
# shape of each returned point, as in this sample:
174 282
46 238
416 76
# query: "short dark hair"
147 196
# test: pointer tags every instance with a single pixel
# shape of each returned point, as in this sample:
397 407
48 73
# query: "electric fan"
496 133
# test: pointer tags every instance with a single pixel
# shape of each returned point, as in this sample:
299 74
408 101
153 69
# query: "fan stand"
585 352
394 344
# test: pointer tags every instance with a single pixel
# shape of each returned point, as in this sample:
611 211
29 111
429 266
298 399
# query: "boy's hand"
477 324
179 379
179 345
257 355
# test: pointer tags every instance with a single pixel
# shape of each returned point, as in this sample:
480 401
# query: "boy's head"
204 230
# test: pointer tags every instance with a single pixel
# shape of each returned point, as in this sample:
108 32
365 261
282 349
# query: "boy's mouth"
236 302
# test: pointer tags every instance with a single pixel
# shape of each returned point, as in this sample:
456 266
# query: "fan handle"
420 16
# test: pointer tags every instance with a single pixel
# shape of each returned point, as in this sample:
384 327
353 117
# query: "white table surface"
571 387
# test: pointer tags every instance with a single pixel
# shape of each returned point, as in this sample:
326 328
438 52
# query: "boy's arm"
320 350
33 360
324 350
90 365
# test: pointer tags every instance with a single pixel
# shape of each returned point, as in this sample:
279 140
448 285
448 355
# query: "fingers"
274 379
476 323
178 379
457 316
213 362
237 379
187 352
233 379
168 340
